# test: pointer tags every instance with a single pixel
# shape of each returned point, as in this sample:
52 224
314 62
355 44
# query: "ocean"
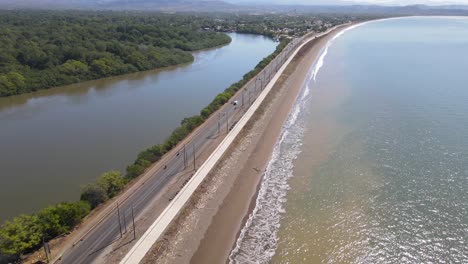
372 164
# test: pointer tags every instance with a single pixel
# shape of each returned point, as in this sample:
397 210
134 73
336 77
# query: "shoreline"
90 84
208 228
128 75
297 74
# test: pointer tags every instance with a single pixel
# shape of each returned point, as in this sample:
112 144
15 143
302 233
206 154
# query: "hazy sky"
417 1
382 2
285 2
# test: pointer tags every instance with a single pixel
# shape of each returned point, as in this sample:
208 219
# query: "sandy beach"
207 229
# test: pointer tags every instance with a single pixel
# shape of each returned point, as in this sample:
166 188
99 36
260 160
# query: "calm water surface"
392 185
55 141
378 155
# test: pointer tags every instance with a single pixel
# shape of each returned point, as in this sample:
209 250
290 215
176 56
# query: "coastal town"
279 26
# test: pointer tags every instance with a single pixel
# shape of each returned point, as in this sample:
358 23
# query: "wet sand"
207 229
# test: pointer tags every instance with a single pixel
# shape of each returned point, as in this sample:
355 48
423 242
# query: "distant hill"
377 9
169 5
241 6
144 5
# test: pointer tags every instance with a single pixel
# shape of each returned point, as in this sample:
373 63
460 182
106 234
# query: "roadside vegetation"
25 233
154 153
77 37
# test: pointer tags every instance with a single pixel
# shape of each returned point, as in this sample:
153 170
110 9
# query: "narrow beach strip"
157 229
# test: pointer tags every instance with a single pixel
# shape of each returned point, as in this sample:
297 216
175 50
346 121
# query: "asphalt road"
108 231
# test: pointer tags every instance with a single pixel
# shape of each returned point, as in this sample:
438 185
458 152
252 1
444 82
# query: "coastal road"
108 231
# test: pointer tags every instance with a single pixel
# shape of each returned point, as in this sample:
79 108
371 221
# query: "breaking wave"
319 63
258 239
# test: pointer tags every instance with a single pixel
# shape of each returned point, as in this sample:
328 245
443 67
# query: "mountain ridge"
223 6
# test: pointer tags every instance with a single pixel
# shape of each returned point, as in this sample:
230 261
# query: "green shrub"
21 235
112 182
133 171
94 195
61 218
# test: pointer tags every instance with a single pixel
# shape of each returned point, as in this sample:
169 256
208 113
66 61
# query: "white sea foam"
257 241
306 92
320 62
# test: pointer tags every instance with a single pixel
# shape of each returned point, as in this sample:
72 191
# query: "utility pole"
263 77
185 158
118 216
219 122
194 165
125 223
227 121
133 220
46 249
243 92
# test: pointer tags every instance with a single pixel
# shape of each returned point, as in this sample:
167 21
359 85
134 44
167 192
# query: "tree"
32 55
25 232
190 123
134 170
11 83
49 221
61 218
154 57
73 67
111 182
72 213
20 235
101 67
138 60
6 59
94 195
